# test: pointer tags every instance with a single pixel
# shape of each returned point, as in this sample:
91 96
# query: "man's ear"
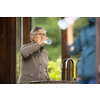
32 37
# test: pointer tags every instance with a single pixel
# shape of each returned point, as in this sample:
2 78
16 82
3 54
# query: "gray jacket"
33 63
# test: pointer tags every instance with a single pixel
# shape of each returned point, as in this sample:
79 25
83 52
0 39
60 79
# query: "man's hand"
41 41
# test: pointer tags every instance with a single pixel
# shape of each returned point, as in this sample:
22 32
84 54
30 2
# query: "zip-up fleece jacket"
86 42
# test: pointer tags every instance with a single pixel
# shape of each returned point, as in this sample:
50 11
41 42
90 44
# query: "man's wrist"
40 43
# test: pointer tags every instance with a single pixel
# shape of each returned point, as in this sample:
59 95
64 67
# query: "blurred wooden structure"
8 47
98 50
7 50
26 29
64 54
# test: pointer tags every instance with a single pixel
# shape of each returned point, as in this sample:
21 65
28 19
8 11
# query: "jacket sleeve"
28 49
77 45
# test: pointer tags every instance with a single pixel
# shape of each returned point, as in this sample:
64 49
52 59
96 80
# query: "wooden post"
98 50
7 50
26 29
65 54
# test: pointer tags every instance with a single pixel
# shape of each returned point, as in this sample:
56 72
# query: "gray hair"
36 28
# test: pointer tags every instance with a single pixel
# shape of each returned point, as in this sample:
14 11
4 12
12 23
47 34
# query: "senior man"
34 58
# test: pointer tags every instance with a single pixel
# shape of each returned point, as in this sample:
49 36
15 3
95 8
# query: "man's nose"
42 35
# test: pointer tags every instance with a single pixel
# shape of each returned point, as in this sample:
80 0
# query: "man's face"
38 35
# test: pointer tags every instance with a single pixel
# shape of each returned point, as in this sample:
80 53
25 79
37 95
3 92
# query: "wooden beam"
98 50
26 29
64 54
7 50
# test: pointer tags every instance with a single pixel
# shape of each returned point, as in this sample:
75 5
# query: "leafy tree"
54 69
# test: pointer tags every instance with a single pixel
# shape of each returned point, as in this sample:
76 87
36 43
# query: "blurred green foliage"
18 67
54 69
